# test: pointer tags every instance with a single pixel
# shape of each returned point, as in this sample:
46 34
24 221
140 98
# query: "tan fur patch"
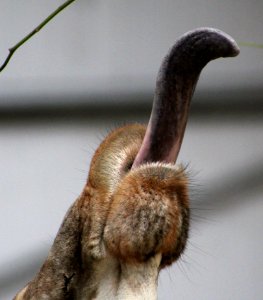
20 295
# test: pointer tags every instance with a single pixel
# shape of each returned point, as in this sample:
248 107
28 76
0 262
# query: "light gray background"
99 54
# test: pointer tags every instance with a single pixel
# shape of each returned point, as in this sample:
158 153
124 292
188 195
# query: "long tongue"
175 86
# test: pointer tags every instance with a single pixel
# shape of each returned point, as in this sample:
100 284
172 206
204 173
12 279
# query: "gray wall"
101 54
104 46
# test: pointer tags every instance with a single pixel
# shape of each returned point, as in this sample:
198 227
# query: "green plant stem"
36 30
253 45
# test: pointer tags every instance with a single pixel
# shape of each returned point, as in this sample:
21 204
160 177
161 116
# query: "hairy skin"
132 218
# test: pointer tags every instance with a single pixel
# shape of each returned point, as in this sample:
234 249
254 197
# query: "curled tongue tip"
225 43
175 86
234 49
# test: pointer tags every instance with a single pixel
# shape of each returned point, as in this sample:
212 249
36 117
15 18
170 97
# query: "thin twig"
253 45
36 30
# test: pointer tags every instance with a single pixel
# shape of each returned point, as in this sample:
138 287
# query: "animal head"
132 218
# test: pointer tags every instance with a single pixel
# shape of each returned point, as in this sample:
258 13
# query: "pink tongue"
175 86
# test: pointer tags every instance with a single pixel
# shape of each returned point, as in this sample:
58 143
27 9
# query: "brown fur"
132 218
145 215
129 214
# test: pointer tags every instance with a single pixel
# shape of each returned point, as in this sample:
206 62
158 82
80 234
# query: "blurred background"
94 68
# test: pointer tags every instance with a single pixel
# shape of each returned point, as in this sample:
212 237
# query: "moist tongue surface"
175 86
